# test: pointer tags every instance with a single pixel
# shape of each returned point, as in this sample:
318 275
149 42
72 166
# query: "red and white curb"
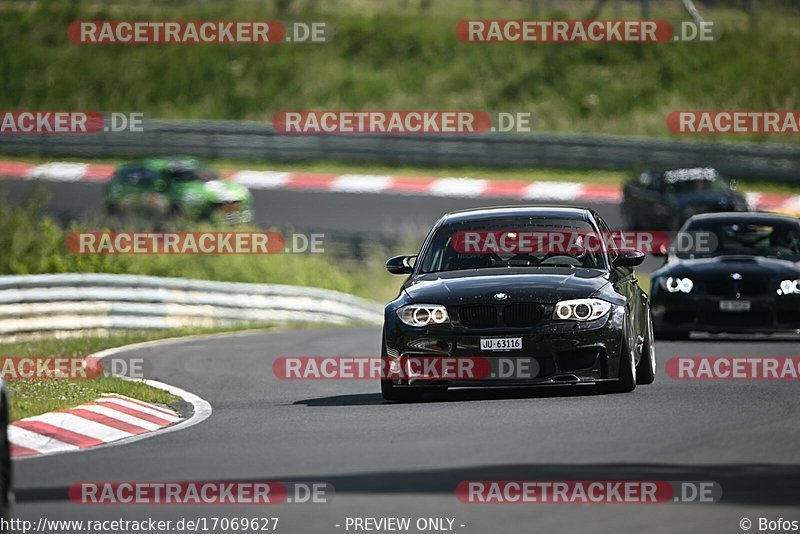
143 415
463 187
108 419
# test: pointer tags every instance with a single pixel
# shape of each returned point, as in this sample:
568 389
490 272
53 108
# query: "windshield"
202 172
516 242
758 238
683 181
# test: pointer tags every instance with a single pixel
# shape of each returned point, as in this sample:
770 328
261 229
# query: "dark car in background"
664 199
743 277
179 186
578 315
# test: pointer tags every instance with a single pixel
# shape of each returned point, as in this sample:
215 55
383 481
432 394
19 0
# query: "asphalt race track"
405 460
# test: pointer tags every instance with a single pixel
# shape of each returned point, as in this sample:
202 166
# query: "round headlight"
563 311
582 311
790 287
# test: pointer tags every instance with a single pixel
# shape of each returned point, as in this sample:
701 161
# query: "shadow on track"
742 484
458 395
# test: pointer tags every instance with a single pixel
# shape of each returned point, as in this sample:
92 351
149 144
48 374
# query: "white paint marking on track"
458 187
360 183
37 442
123 417
261 179
553 191
81 426
165 411
133 406
59 171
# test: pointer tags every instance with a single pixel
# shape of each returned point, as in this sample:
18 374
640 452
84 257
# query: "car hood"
538 284
749 266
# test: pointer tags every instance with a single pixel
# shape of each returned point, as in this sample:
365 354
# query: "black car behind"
744 276
663 200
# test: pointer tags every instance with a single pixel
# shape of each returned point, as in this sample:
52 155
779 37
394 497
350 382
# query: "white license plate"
501 343
734 305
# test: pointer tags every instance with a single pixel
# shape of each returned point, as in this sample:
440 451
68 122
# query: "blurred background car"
663 200
181 186
738 272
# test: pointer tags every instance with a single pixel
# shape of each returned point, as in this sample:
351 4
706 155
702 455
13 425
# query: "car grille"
515 315
722 287
522 314
478 315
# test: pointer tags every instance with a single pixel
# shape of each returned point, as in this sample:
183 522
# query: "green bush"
33 243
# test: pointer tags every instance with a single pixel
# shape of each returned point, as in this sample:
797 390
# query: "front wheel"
646 370
626 380
390 392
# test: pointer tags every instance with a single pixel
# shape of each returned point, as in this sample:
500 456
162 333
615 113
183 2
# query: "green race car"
181 186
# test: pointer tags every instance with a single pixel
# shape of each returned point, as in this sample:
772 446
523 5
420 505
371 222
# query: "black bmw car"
663 200
565 313
735 272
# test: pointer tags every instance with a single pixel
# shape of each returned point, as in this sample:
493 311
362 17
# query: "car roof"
689 171
747 216
161 163
499 212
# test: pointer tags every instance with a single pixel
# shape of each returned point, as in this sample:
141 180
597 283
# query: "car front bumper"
552 352
680 313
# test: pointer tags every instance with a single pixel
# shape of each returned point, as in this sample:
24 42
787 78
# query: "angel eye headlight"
678 285
423 314
789 287
581 309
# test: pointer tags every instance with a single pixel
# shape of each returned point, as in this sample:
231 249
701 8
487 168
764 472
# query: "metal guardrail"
62 302
258 141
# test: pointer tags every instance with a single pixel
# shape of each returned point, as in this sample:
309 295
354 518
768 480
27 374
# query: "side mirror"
628 257
400 265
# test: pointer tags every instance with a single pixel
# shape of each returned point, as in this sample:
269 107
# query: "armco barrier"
59 302
258 141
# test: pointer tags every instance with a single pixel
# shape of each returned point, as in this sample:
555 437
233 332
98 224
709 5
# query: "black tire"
646 370
393 393
6 480
626 380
